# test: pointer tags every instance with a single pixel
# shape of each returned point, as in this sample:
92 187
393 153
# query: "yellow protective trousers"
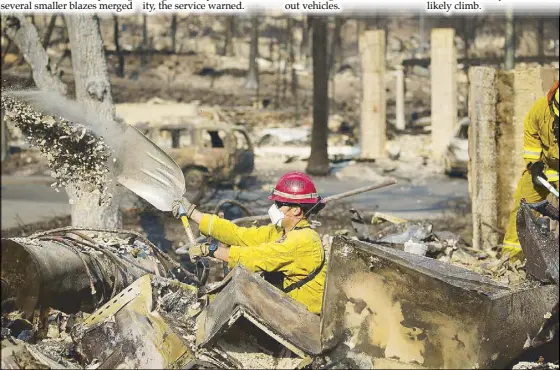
532 194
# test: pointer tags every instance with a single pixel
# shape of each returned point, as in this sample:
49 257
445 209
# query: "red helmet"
295 187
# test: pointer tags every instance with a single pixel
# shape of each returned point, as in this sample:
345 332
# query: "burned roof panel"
266 306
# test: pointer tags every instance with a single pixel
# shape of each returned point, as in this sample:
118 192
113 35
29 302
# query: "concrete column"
399 74
443 70
483 177
373 119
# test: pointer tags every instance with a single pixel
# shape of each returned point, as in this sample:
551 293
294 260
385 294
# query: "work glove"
188 206
198 251
537 170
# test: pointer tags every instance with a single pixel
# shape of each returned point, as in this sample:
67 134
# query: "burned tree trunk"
540 37
173 33
318 163
278 75
143 56
120 67
230 33
335 57
94 90
293 79
305 36
253 73
286 45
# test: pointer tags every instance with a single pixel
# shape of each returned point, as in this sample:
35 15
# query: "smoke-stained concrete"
483 178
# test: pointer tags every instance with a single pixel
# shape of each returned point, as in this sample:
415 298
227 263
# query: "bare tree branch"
24 35
49 31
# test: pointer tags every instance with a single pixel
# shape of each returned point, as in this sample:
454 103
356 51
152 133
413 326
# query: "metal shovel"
145 169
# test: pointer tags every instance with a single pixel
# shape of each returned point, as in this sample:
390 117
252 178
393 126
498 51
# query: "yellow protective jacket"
539 143
265 248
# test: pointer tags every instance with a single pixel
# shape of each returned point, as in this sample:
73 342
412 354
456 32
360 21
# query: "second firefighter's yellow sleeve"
231 234
270 257
532 147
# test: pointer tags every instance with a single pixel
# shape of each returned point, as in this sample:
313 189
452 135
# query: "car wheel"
195 184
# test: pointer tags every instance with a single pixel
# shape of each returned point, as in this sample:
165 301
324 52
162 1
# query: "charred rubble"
119 302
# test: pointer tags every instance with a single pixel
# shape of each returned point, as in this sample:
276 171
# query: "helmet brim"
278 198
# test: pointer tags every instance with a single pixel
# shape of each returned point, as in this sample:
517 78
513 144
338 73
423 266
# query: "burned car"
457 156
211 151
210 154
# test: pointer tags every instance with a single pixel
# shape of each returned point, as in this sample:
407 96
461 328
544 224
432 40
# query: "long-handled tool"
185 222
361 190
547 185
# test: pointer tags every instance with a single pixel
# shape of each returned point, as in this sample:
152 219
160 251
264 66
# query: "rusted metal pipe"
75 275
73 229
47 273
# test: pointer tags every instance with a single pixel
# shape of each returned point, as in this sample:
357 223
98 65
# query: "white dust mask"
276 215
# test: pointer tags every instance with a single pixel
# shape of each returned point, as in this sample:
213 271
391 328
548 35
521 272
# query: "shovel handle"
359 191
185 222
188 230
547 185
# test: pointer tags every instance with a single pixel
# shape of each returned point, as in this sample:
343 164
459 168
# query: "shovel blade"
145 169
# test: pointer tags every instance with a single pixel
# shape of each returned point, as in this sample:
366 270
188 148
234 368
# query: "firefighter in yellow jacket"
540 151
288 245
